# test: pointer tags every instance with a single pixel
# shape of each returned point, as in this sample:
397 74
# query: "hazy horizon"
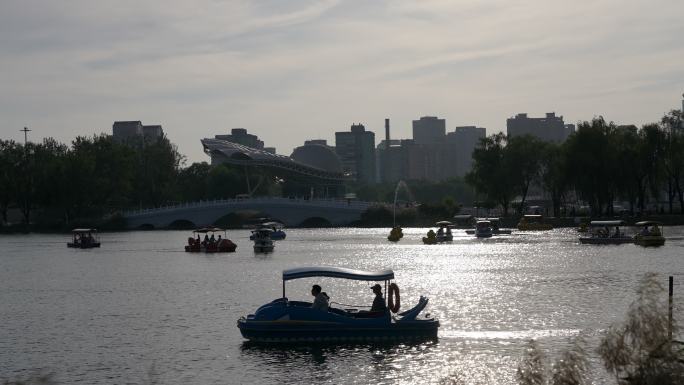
297 70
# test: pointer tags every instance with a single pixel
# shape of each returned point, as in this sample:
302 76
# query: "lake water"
140 310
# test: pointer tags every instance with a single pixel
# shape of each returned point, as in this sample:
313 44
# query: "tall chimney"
387 133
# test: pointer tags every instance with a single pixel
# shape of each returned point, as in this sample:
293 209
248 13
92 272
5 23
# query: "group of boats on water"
322 321
263 236
597 232
648 233
479 227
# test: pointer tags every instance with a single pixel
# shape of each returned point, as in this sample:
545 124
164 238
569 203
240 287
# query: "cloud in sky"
301 69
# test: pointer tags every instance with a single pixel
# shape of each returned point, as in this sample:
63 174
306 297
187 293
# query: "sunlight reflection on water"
141 310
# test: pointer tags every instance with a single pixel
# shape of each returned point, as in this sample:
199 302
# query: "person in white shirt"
320 298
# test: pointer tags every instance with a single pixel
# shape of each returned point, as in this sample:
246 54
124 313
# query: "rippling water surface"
140 310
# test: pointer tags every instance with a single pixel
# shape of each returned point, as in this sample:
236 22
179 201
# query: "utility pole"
25 131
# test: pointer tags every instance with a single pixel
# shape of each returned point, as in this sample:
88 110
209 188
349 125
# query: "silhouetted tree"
491 174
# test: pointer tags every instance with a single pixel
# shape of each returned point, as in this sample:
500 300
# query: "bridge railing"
321 202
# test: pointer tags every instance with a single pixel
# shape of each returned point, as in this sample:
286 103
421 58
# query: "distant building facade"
462 142
428 130
550 128
356 150
240 136
431 154
134 130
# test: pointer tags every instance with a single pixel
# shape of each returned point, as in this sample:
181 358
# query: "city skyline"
293 71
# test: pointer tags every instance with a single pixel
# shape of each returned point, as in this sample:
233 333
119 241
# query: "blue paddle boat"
285 321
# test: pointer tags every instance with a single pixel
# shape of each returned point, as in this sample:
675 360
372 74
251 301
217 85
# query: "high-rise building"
356 149
132 130
240 136
429 130
462 142
550 128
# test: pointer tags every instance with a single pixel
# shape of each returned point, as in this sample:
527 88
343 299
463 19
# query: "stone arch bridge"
292 212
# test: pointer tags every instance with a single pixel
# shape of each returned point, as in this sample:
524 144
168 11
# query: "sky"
292 70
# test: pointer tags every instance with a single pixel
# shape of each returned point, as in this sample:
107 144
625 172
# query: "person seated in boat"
378 301
448 232
440 232
212 240
206 239
320 298
655 230
431 234
617 232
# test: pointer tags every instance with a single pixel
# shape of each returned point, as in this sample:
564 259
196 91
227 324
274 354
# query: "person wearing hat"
379 301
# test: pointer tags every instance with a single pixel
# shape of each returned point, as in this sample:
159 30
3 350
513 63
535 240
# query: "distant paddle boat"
395 234
463 221
263 243
277 232
483 229
84 239
496 229
533 222
210 243
606 233
650 234
286 321
444 232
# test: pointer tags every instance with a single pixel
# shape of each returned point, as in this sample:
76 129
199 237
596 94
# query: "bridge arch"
238 218
182 224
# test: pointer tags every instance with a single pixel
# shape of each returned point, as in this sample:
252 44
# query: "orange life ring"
394 298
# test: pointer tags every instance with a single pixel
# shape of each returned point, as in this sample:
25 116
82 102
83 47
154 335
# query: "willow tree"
490 174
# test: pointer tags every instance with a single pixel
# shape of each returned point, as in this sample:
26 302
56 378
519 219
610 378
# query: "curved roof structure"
337 272
318 156
233 153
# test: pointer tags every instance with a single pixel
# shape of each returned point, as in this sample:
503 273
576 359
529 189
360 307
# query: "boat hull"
650 240
273 332
283 321
263 248
605 241
535 227
83 246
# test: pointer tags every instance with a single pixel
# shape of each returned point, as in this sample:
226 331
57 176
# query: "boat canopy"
493 219
443 223
484 222
337 272
272 224
208 230
84 230
462 216
648 223
606 223
262 230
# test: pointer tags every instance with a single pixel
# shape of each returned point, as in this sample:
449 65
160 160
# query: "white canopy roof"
606 223
337 272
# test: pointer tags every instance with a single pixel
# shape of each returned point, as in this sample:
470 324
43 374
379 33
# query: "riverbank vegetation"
599 164
53 185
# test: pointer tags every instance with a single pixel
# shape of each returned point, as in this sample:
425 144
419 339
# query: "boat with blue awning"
286 321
